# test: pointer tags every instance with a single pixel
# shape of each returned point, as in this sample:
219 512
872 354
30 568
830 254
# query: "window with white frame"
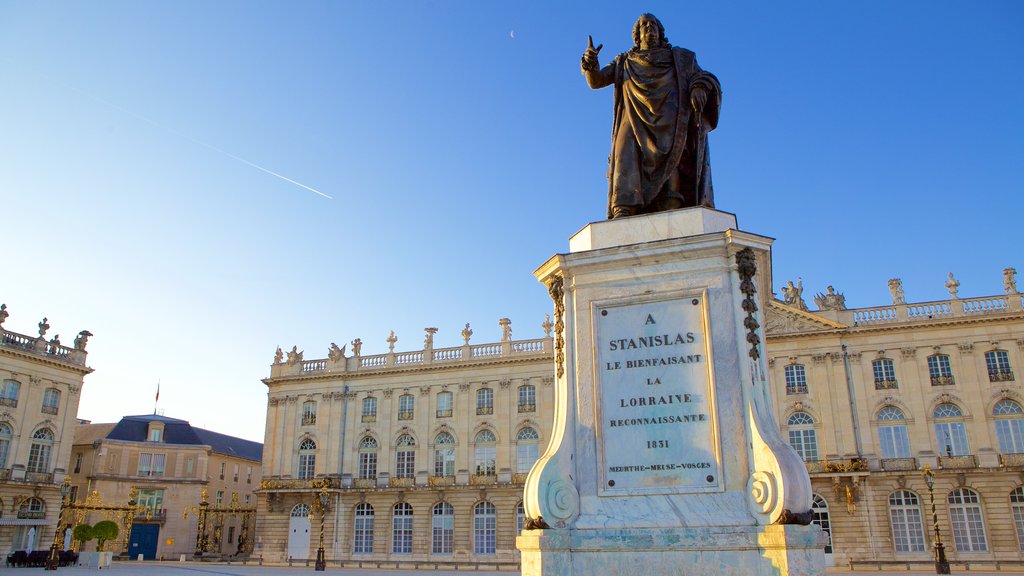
967 519
796 379
39 451
1017 507
485 528
405 457
892 433
485 401
950 431
527 449
369 409
401 528
444 455
362 527
308 413
51 401
307 459
151 464
885 374
444 405
520 517
940 372
1009 417
486 453
905 521
151 500
442 528
5 444
368 457
527 398
9 393
406 407
802 436
998 364
819 516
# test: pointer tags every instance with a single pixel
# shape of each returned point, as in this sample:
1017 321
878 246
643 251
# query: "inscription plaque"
656 408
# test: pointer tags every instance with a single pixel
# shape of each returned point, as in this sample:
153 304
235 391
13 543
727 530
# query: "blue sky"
461 148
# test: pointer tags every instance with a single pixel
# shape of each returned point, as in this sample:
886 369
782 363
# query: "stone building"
40 385
419 456
171 465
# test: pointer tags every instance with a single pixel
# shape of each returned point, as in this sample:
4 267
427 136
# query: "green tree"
83 533
103 531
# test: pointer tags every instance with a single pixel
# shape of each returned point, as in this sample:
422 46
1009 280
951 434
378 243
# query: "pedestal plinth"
665 456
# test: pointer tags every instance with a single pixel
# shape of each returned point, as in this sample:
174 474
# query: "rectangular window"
189 465
231 534
158 464
145 464
885 374
236 473
308 413
9 393
444 405
51 400
223 465
151 501
367 464
406 406
484 401
248 475
369 409
939 370
156 435
220 497
527 398
404 464
998 364
78 463
796 379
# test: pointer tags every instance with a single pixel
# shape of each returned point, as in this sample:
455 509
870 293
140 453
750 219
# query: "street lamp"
54 558
941 564
323 499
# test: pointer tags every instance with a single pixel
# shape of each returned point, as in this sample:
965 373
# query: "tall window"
401 528
369 409
444 455
444 405
905 520
527 398
885 374
368 457
1017 506
950 433
406 406
527 450
234 477
939 370
308 413
405 457
39 453
9 393
151 464
151 500
520 516
486 453
485 528
5 444
362 541
51 401
998 364
819 516
485 401
796 379
1009 426
307 459
892 433
802 436
442 528
968 523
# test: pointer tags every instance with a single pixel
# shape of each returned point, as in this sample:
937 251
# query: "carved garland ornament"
556 291
746 265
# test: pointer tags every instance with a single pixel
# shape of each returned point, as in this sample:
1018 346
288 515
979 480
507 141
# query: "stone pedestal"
664 456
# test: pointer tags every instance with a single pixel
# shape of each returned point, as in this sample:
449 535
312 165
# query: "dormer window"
156 432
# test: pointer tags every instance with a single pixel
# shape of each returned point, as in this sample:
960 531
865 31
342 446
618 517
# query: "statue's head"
648 31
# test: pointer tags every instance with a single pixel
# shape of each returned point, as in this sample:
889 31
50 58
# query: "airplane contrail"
182 135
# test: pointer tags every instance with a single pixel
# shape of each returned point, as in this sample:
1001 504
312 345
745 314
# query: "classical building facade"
404 456
420 455
40 385
172 468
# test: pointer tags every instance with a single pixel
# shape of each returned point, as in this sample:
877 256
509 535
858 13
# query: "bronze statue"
664 107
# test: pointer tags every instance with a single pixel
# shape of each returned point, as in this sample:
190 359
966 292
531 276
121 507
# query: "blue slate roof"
136 429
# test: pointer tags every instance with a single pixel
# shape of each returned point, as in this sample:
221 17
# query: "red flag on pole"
157 390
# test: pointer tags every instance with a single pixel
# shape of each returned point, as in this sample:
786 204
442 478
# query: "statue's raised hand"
590 56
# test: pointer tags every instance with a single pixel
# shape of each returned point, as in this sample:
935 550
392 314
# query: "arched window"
1009 426
39 453
300 511
444 455
307 459
405 457
362 537
527 450
308 413
968 521
369 409
796 379
485 401
9 393
33 508
885 374
527 398
442 528
5 444
401 528
819 516
520 516
939 370
485 528
444 405
1017 506
486 453
368 457
998 364
950 433
802 436
892 433
51 401
406 407
905 520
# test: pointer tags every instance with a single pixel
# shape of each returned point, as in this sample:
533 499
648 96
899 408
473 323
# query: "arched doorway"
298 532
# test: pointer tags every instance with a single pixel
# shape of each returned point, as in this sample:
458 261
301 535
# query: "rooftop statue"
664 107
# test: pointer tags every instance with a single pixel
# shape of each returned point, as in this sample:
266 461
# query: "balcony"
484 410
364 482
444 413
52 410
285 483
1011 459
147 515
942 381
9 402
369 417
441 481
308 419
401 482
1000 376
405 415
39 477
886 385
890 464
837 466
964 462
527 408
797 389
519 478
483 479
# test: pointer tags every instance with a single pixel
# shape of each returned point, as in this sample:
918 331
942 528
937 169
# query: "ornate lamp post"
941 564
54 558
322 501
